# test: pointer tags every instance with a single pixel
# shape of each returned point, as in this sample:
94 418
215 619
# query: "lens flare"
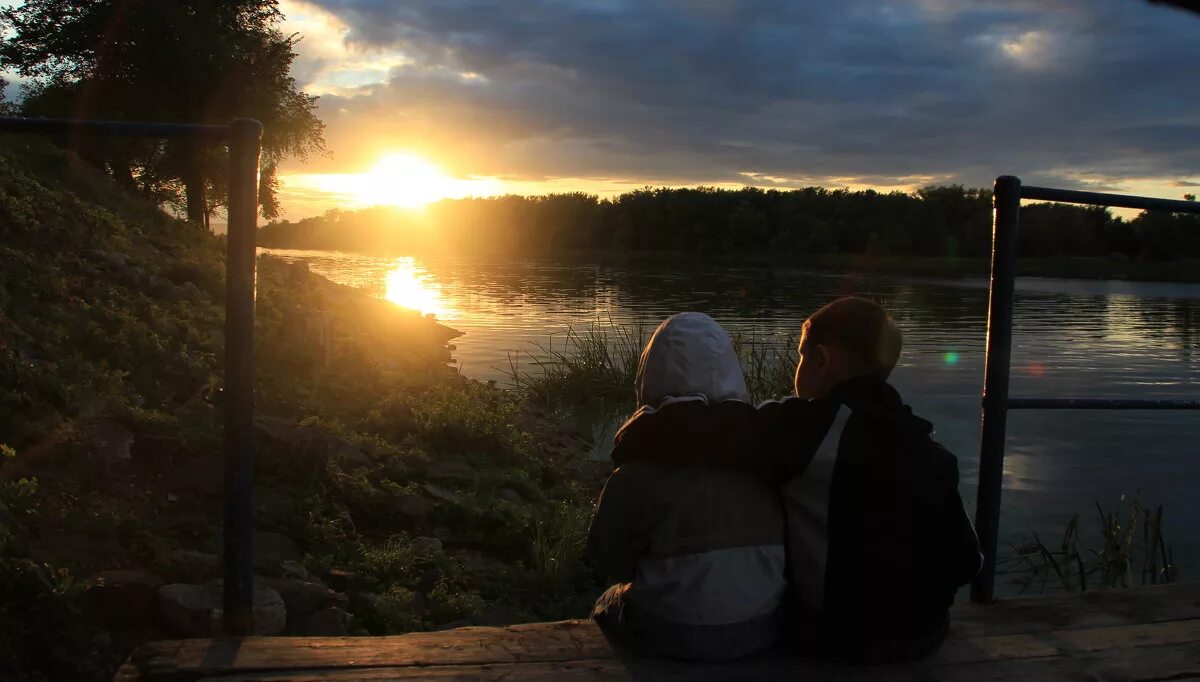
950 358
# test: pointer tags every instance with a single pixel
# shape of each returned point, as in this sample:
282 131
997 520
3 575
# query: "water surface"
1073 338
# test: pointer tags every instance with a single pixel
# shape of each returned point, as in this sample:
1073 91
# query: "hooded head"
689 355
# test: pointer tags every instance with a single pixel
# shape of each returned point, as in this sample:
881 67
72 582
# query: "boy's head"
850 337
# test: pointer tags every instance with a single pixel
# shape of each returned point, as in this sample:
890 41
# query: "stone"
509 495
303 597
125 597
414 507
426 545
271 549
185 565
290 568
454 625
443 470
330 622
344 580
440 493
110 442
186 610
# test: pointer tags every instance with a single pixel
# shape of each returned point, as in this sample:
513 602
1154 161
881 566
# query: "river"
1074 338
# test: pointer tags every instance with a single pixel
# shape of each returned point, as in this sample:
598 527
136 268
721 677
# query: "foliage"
597 365
1131 544
596 362
558 539
189 61
940 222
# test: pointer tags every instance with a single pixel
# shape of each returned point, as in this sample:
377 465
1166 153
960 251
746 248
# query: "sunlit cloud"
600 97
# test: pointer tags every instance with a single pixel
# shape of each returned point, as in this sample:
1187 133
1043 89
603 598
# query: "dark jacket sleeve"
958 532
791 430
618 535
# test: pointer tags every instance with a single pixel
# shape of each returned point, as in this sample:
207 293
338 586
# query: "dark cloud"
707 91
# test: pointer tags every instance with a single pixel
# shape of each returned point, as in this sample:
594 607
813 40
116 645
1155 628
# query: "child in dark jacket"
877 538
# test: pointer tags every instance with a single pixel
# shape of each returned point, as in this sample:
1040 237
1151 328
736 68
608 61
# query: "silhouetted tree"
192 61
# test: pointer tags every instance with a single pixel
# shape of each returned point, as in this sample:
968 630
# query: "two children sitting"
829 519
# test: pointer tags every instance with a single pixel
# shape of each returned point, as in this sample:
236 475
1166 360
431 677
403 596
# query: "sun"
403 179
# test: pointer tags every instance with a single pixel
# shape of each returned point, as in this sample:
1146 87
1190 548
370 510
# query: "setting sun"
403 179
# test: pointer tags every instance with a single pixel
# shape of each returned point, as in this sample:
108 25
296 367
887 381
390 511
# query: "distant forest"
949 221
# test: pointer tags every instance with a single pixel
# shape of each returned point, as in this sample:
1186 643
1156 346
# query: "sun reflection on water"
409 286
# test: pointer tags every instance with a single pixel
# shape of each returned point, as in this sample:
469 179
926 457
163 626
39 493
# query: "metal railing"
244 137
996 403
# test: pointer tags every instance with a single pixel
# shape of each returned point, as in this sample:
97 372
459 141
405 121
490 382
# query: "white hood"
689 355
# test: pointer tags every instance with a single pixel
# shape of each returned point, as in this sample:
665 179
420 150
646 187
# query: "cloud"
855 92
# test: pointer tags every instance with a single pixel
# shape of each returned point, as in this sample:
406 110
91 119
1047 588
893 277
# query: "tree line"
943 221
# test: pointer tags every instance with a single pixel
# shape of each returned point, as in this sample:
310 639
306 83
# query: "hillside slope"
391 494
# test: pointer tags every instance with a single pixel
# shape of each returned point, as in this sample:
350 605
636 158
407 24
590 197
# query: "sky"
430 98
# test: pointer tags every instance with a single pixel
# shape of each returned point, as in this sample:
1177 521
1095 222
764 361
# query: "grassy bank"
391 494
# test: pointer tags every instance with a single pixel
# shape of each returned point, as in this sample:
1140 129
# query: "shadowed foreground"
1142 634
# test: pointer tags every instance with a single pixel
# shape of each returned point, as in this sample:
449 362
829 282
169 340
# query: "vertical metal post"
1006 198
244 142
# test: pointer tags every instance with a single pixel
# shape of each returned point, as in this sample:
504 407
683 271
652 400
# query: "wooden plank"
1147 664
1079 610
1017 630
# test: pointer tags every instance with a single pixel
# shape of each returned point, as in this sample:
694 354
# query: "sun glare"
407 286
403 179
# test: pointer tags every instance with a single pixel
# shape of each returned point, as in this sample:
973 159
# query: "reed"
1130 549
598 362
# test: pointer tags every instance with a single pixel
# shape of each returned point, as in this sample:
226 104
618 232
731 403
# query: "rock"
442 494
295 570
188 610
203 475
454 624
195 610
509 495
187 565
343 580
414 507
272 549
426 545
190 292
122 597
274 506
443 470
329 622
303 597
309 443
110 442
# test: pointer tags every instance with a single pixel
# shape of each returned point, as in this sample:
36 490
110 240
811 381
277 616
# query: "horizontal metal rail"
66 126
1099 404
1074 196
